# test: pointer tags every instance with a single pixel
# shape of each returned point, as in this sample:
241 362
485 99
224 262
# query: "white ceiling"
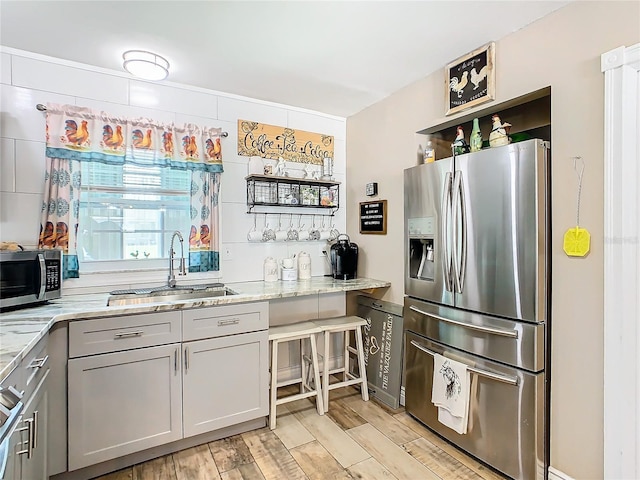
332 57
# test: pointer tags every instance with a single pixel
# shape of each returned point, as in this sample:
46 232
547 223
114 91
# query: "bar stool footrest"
356 381
286 383
293 398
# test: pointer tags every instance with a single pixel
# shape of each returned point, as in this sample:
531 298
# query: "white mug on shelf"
281 235
325 234
292 233
303 234
268 234
254 235
314 233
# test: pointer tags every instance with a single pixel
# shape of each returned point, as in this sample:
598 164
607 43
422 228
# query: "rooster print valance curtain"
77 133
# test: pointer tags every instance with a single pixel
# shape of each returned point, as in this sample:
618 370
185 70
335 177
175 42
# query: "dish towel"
450 393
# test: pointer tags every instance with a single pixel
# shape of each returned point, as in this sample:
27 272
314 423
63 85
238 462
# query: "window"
116 189
129 212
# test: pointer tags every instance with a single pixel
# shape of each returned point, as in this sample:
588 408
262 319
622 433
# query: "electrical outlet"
227 253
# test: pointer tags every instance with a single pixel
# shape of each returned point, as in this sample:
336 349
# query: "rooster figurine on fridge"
499 133
459 145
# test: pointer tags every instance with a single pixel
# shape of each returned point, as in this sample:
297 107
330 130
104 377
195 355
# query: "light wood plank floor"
354 440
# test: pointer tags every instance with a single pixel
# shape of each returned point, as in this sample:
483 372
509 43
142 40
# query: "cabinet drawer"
113 334
225 320
34 367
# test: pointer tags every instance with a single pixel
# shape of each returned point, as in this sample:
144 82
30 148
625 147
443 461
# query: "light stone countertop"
20 330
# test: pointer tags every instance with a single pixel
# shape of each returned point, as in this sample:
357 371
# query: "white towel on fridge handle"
450 392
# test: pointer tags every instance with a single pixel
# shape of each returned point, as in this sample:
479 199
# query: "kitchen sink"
167 294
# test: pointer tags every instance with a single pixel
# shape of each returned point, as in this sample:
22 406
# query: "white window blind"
129 212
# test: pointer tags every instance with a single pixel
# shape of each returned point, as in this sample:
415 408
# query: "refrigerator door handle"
445 228
471 326
478 371
459 234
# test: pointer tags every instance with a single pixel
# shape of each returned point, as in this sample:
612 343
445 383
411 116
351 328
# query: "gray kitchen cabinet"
35 415
27 454
13 465
123 402
28 446
225 381
57 392
136 382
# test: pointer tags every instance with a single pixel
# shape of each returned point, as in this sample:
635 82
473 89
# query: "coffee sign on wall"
270 141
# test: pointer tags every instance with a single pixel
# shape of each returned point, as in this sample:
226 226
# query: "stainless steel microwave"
29 276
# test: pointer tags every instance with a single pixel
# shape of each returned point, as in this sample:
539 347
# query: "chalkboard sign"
373 217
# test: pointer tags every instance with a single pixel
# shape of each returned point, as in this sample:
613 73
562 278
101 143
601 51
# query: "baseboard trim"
555 474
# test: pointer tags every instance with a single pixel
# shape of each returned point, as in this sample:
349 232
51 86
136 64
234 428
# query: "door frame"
621 68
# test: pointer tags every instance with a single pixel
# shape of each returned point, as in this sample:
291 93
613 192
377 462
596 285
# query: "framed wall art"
470 79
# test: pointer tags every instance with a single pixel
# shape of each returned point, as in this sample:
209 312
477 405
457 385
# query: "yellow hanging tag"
577 242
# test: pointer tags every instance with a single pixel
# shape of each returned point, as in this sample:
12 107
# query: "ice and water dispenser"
421 238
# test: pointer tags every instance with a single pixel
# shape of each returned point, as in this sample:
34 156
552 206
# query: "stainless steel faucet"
171 280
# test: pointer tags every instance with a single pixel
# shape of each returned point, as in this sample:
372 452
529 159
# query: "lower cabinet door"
35 466
124 402
225 381
10 453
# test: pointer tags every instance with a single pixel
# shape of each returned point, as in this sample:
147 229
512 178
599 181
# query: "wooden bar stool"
343 325
289 333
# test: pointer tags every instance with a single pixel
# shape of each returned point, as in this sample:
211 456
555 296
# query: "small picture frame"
470 80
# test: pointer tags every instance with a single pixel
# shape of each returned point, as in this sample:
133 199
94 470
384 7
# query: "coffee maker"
344 258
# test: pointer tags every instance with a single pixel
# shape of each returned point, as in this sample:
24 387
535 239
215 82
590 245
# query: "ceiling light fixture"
145 65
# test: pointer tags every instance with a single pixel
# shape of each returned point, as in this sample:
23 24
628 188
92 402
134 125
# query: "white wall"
27 79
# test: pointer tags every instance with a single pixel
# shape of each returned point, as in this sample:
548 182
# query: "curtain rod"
43 108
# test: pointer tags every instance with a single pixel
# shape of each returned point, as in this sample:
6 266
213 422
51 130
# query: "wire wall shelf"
271 191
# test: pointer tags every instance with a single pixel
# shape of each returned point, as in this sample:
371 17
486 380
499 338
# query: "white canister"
270 270
289 274
304 266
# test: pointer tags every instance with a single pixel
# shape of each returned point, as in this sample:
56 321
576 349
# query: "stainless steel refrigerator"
477 285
